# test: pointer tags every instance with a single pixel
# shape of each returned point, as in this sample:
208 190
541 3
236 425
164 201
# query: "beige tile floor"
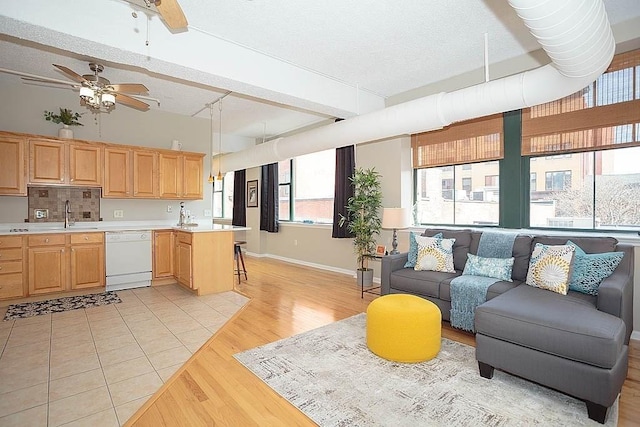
97 366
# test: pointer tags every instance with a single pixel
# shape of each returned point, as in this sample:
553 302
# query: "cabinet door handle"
46 240
61 179
86 237
0 267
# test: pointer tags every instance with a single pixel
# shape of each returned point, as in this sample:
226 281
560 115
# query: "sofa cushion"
460 247
566 326
589 270
412 256
521 253
588 244
498 268
550 267
435 254
419 282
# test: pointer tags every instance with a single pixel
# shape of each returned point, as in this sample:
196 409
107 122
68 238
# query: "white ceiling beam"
110 33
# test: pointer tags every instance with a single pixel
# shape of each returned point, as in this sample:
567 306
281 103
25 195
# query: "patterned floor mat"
30 309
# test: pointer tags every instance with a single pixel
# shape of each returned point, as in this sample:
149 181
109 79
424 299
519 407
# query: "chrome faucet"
67 211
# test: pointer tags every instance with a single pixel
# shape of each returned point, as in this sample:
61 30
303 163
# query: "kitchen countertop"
14 229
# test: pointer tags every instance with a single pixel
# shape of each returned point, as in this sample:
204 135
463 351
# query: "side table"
374 290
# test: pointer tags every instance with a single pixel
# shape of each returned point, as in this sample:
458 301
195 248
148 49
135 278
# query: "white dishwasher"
128 259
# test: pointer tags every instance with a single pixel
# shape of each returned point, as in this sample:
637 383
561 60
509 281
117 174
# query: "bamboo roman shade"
604 115
476 140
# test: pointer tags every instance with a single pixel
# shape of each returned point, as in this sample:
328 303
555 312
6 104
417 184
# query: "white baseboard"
635 335
310 264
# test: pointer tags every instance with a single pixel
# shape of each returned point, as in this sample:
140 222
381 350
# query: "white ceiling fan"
169 10
97 92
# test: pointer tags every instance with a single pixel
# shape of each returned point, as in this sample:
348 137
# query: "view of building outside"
284 190
314 179
463 194
223 197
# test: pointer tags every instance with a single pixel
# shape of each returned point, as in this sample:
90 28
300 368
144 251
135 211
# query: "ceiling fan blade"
75 76
129 88
172 13
49 81
131 102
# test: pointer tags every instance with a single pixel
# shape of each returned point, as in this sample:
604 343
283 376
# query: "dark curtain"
345 167
269 198
239 202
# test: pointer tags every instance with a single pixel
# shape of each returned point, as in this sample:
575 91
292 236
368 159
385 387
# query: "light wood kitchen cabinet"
12 271
47 162
204 261
145 174
87 260
117 173
12 166
48 263
180 176
192 179
56 162
85 164
184 273
163 250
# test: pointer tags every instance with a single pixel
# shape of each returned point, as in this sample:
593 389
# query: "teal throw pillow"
497 268
413 249
589 270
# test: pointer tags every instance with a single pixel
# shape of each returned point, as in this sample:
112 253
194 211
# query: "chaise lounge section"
574 343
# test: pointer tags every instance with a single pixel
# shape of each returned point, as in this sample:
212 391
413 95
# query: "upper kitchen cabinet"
181 176
145 174
56 162
12 166
117 173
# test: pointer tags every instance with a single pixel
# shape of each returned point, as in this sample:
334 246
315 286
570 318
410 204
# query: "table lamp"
395 219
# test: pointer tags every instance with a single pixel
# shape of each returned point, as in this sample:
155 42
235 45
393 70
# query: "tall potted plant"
363 218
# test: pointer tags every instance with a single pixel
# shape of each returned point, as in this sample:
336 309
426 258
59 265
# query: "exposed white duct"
576 34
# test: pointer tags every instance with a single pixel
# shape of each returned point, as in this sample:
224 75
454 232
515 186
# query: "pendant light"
211 146
219 177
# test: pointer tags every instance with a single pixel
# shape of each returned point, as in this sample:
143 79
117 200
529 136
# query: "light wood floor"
214 389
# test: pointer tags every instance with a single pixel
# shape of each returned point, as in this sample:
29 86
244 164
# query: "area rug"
331 376
30 309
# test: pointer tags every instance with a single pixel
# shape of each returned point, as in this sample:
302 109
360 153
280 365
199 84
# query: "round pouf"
403 328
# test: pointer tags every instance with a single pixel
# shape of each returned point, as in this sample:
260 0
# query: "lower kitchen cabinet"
12 271
183 271
48 263
87 260
163 250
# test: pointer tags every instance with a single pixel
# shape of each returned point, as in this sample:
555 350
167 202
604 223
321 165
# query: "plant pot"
65 132
365 277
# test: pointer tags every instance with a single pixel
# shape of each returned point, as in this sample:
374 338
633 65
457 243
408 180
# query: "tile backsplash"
85 203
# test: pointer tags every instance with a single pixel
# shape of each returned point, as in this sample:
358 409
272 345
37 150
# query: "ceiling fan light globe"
87 94
108 99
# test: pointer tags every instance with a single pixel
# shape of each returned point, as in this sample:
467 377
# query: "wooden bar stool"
237 255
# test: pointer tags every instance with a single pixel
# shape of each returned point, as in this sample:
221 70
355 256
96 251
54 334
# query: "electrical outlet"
207 212
118 213
169 208
295 242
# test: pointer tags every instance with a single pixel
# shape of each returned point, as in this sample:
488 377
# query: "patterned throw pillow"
497 268
550 266
435 254
589 270
412 257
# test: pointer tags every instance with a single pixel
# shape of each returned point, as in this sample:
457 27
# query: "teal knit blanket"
468 292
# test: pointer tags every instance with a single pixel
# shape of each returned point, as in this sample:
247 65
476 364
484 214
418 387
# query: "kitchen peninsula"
199 258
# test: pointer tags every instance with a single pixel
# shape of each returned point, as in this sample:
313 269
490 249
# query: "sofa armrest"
615 294
391 263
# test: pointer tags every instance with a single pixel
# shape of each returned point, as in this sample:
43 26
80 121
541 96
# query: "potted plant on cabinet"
67 118
363 218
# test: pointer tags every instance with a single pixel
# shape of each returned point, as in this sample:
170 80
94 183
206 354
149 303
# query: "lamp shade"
395 218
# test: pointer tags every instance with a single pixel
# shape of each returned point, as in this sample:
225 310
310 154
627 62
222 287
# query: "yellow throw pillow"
550 267
435 254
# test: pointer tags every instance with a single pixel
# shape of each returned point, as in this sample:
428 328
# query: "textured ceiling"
288 64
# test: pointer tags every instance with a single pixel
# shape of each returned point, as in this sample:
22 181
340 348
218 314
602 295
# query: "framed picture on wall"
252 194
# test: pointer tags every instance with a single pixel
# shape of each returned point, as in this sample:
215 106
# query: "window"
454 200
491 180
223 197
533 181
557 180
306 187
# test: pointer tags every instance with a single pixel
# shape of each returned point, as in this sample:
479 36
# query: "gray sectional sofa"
574 343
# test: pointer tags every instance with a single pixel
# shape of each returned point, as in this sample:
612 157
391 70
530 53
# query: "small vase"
65 132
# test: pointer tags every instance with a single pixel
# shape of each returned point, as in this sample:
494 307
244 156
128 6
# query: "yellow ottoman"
403 328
